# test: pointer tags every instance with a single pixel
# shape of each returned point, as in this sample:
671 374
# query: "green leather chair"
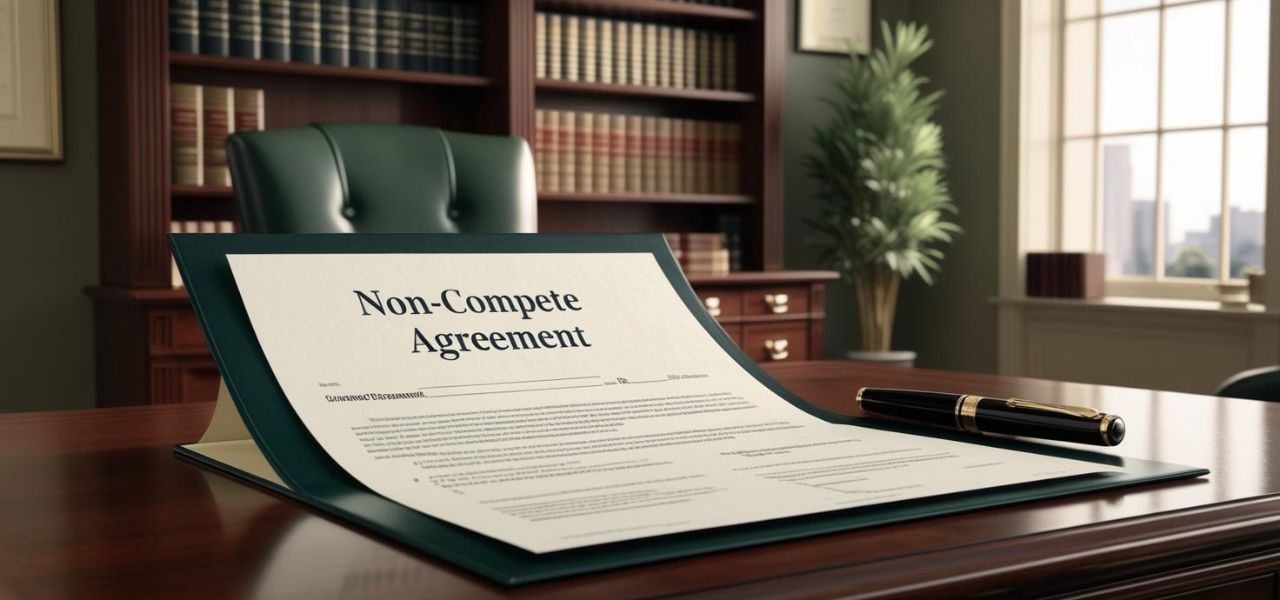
1255 384
381 178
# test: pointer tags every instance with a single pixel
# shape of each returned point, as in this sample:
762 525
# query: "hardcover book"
246 28
184 26
218 102
187 143
215 32
335 32
540 45
364 34
390 36
572 51
584 137
275 29
416 56
304 21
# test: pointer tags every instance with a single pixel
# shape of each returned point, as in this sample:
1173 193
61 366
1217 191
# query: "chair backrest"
381 178
1254 384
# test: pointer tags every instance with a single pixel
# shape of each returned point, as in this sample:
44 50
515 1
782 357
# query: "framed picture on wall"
30 103
831 26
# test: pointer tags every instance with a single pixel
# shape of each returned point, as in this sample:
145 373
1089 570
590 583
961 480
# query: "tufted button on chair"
381 178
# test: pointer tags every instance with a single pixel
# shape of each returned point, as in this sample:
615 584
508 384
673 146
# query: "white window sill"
1143 305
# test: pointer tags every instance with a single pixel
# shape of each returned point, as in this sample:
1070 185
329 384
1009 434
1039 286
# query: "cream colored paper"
652 429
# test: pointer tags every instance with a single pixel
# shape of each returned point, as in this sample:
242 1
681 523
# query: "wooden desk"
93 503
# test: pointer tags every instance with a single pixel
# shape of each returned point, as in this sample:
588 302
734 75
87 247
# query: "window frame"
1035 25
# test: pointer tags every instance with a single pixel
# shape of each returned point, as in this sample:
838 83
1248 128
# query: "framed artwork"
830 26
30 103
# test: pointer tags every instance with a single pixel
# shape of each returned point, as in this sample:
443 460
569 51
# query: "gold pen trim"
1103 427
1074 411
967 413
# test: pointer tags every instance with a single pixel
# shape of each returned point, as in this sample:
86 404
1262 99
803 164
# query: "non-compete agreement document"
554 401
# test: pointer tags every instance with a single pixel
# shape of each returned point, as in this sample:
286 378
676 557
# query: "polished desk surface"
94 503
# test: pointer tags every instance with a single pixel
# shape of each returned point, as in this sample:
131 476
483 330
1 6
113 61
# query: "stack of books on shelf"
201 117
411 35
616 153
195 227
598 50
703 253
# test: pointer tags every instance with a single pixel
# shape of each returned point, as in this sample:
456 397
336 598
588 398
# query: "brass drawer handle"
712 304
777 349
777 302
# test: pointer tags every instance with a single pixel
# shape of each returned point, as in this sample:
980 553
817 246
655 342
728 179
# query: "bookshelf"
149 346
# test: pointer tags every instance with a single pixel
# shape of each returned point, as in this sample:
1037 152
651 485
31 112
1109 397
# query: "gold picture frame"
833 26
30 81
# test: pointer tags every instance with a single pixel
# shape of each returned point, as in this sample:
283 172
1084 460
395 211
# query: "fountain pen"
1009 416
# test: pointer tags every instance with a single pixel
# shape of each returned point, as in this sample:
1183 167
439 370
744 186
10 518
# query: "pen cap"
934 408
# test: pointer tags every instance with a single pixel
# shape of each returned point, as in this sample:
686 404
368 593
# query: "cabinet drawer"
735 331
779 300
723 303
775 342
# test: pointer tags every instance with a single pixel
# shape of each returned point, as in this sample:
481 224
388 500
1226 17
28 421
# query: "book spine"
390 34
705 65
691 58
680 155
733 154
572 57
215 33
635 59
617 153
540 45
335 32
730 62
590 49
553 153
650 56
649 154
677 58
704 157
663 151
717 61
304 22
568 152
246 28
415 36
186 147
606 51
540 149
665 77
275 29
600 152
217 114
584 138
473 36
439 56
250 110
456 39
364 33
635 153
555 47
621 52
184 26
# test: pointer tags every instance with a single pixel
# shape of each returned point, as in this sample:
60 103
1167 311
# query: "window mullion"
1158 272
1224 212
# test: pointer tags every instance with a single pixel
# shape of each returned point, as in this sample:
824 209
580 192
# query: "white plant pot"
905 358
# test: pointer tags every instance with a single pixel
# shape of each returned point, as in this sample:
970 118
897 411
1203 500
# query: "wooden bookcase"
149 347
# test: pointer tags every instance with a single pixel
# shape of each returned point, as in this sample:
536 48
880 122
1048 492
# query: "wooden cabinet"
773 316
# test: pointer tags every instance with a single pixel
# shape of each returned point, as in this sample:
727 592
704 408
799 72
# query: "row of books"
196 227
701 252
590 49
412 35
601 152
200 119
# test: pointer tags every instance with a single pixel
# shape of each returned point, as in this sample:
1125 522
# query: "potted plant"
881 176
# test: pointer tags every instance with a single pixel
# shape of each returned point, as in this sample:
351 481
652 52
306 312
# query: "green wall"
49 233
952 325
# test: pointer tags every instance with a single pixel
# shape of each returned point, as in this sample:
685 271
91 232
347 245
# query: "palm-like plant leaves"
879 166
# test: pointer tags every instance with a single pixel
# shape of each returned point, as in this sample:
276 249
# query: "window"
1162 138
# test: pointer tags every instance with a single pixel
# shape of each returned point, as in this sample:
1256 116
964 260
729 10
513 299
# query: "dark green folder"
315 480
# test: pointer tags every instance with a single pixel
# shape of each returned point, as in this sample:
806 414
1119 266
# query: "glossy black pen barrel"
977 414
